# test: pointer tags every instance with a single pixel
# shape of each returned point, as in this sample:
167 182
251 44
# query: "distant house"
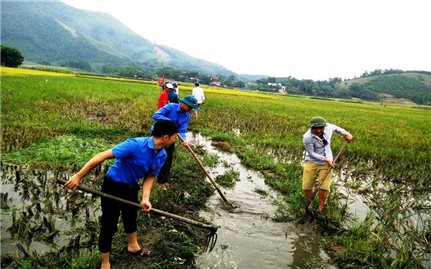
385 95
270 84
217 83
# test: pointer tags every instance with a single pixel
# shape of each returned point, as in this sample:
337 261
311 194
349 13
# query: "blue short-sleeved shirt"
136 158
173 112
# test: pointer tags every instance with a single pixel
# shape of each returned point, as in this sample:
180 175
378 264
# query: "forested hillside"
53 33
410 85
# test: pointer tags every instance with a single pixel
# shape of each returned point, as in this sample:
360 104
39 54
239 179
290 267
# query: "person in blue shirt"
180 114
318 158
135 159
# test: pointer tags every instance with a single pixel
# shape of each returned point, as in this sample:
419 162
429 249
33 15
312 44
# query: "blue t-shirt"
173 112
136 159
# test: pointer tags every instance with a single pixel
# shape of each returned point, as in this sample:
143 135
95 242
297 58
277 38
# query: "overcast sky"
305 39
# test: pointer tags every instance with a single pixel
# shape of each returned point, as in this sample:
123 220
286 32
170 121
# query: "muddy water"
248 238
41 209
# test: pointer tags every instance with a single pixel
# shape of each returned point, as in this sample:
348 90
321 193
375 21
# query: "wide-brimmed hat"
190 100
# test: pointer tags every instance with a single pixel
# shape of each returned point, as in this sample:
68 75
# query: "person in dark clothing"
135 159
173 96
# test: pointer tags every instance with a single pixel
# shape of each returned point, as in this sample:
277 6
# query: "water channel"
248 238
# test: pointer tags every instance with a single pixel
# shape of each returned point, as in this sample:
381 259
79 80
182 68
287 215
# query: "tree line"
172 73
390 81
393 82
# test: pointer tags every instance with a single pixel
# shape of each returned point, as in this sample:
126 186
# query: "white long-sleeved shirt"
315 149
198 93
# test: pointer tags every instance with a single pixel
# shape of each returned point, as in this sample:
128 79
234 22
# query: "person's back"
167 97
163 99
198 93
173 97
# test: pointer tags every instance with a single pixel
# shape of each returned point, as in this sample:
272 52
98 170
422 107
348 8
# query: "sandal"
143 252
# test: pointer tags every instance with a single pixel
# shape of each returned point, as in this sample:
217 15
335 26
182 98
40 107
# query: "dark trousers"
111 212
163 176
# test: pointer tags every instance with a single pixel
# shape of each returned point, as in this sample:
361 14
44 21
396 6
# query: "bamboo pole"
212 228
206 172
324 176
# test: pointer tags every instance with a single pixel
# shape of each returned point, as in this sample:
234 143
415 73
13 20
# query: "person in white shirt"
198 93
177 89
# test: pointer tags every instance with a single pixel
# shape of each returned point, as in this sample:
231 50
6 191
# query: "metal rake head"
308 215
210 241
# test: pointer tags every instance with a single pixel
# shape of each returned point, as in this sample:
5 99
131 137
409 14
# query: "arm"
182 129
347 136
161 114
75 180
146 192
341 131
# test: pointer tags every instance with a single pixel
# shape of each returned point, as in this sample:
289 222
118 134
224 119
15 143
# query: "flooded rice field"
33 219
39 216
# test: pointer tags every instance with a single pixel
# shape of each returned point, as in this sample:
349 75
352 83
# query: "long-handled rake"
211 238
206 173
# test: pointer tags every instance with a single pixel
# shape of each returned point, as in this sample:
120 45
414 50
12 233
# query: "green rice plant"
41 112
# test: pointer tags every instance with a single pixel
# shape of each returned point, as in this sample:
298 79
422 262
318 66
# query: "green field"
54 122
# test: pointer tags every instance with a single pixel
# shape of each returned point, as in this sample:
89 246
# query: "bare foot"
105 266
164 186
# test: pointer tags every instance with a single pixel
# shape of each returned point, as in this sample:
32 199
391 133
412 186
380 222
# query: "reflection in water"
248 238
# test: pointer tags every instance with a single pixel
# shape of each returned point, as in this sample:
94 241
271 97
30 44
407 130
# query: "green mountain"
410 85
51 32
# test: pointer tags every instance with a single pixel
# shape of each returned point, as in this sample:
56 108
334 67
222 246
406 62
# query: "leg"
133 245
308 180
163 176
197 111
104 257
134 248
322 199
129 215
324 187
108 223
308 194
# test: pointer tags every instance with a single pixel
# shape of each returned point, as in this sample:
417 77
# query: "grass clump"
228 179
